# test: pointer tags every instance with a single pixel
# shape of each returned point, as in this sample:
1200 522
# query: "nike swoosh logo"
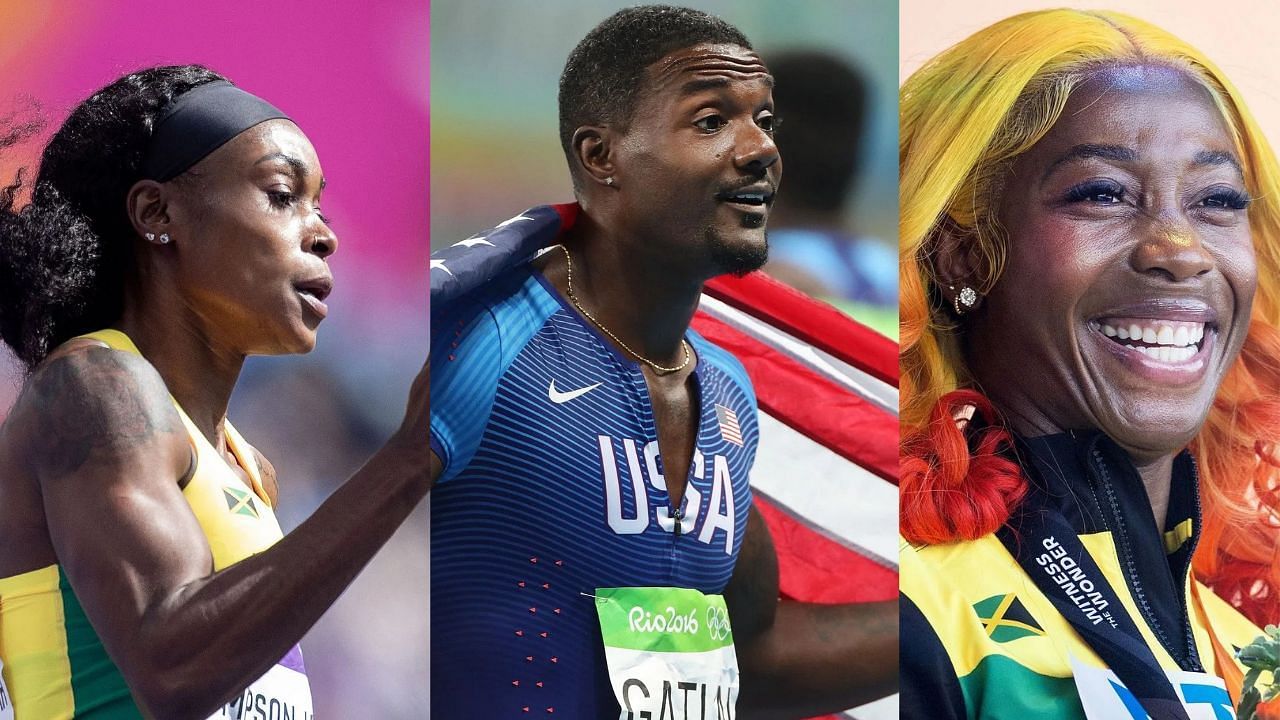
564 397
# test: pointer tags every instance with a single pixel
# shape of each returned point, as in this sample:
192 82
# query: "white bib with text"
670 653
281 692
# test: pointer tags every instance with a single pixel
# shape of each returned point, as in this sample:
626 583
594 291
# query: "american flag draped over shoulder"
471 263
825 476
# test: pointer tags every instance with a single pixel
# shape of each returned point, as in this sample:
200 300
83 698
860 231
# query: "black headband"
200 121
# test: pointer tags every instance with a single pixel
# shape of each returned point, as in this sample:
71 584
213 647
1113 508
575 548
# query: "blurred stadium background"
355 80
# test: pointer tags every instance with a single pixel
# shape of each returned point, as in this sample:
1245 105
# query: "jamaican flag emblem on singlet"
1005 618
240 502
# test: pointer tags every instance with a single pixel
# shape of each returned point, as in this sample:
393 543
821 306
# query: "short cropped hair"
603 77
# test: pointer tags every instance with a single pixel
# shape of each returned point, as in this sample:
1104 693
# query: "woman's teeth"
1162 340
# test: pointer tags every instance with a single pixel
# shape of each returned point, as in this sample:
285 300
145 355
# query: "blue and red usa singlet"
553 487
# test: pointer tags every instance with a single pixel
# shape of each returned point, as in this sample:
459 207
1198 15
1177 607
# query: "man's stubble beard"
735 258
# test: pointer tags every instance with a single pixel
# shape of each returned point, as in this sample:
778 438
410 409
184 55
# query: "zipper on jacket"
1120 534
1193 656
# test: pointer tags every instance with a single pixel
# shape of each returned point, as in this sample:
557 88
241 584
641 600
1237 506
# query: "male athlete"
592 453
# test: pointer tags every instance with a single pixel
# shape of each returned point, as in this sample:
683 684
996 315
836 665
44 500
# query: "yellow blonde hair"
968 112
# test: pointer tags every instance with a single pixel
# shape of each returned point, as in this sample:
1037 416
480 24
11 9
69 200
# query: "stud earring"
609 181
164 238
965 300
151 237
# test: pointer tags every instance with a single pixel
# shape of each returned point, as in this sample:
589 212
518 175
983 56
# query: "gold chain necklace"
574 299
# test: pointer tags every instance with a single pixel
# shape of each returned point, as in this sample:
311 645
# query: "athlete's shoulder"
927 587
944 578
944 600
474 342
514 285
88 402
492 325
90 373
515 302
723 361
942 565
929 686
963 590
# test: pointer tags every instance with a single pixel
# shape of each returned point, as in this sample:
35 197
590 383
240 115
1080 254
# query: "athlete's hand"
800 659
412 438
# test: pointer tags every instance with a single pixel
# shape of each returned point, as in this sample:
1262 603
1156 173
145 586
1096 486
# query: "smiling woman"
1129 215
174 229
1089 299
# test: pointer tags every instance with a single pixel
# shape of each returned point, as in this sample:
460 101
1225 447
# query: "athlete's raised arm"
176 218
110 451
803 659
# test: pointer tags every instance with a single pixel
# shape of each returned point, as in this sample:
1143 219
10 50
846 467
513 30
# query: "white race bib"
670 653
282 692
1106 698
6 701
